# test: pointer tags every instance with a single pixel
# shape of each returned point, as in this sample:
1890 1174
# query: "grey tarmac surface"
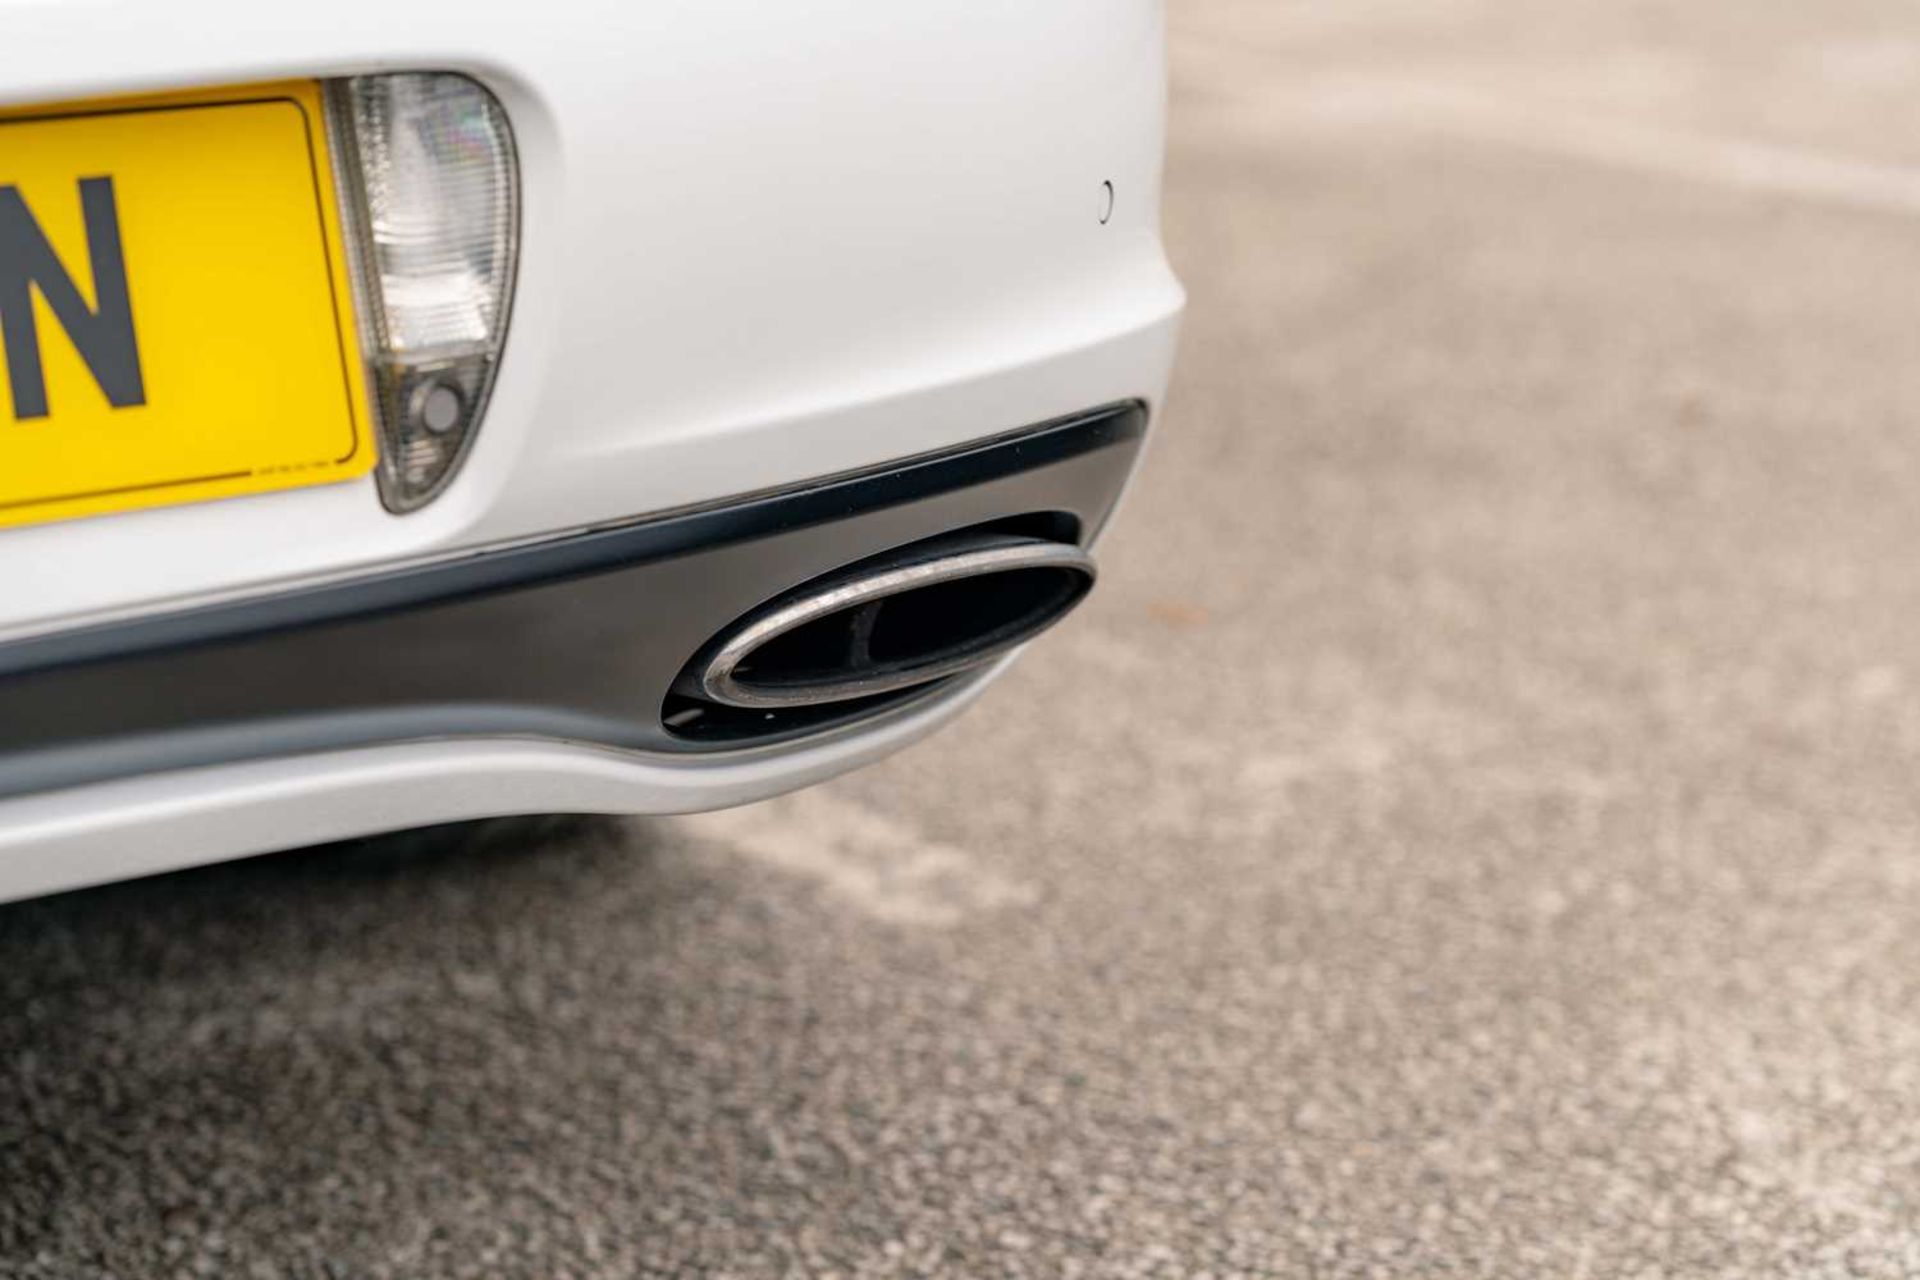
1472 831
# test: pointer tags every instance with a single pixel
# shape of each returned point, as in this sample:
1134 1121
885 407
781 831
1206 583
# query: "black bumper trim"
589 552
576 637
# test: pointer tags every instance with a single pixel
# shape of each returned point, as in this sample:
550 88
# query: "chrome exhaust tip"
893 623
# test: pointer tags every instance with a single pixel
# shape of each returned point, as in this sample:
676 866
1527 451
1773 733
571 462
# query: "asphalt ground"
1471 832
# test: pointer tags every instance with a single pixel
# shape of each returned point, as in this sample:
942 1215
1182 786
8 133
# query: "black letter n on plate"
103 335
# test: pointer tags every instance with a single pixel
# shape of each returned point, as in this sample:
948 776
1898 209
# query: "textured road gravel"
1472 832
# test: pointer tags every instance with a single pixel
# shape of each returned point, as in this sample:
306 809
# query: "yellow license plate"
176 322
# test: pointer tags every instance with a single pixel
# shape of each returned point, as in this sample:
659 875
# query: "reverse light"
431 194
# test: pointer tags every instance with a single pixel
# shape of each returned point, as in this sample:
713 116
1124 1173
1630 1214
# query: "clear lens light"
429 176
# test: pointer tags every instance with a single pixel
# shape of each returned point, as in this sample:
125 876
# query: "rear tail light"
431 190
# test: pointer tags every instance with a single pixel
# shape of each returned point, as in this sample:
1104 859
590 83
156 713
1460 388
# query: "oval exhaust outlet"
928 611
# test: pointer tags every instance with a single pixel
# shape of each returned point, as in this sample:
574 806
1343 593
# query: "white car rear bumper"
759 246
160 822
